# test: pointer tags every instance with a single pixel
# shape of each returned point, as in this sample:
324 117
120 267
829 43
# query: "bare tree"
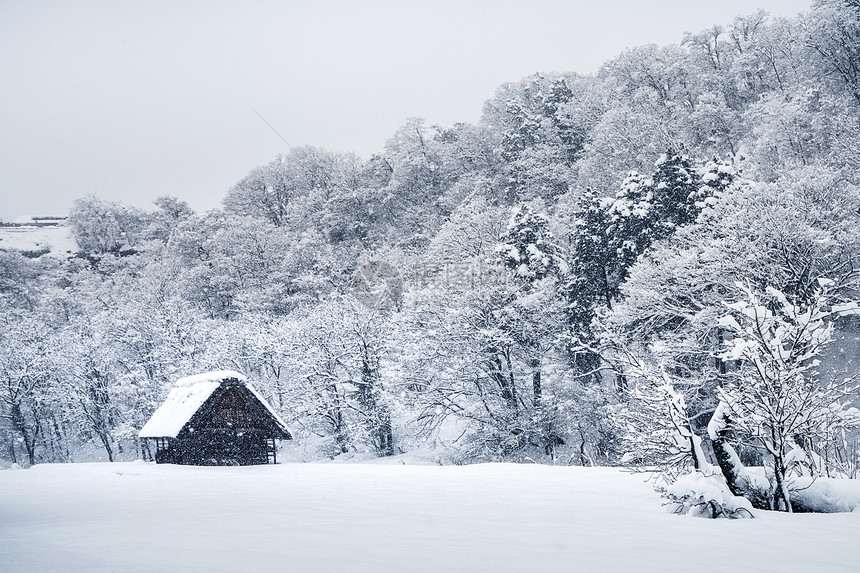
774 397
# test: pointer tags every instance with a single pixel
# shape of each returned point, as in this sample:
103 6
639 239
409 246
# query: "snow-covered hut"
215 418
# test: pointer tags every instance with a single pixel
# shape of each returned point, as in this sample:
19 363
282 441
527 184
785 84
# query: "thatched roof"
188 396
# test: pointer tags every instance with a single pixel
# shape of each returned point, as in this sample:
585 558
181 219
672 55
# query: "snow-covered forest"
652 266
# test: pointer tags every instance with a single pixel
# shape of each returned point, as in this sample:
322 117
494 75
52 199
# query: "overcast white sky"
132 100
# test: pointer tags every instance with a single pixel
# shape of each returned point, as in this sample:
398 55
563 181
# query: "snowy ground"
138 517
32 237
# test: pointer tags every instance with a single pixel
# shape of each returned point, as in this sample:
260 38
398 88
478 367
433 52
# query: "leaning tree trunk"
736 474
737 477
106 443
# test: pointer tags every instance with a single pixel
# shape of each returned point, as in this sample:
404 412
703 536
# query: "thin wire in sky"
272 128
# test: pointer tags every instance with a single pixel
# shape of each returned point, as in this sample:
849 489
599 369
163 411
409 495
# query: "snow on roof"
214 376
182 402
187 396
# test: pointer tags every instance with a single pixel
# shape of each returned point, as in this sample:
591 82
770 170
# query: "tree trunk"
511 382
10 445
20 425
378 417
386 437
337 420
60 434
781 499
733 471
607 294
534 364
497 374
583 458
107 445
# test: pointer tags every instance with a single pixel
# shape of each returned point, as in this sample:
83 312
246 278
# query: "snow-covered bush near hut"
700 495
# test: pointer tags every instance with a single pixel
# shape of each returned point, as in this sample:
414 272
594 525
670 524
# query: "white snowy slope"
138 517
36 235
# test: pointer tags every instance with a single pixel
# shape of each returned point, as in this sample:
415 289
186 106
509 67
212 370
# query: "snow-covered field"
139 517
30 236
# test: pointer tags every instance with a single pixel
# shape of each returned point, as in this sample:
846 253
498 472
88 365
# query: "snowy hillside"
38 234
334 517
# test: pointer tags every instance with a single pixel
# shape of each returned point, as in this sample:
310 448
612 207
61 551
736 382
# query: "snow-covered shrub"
826 495
701 495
